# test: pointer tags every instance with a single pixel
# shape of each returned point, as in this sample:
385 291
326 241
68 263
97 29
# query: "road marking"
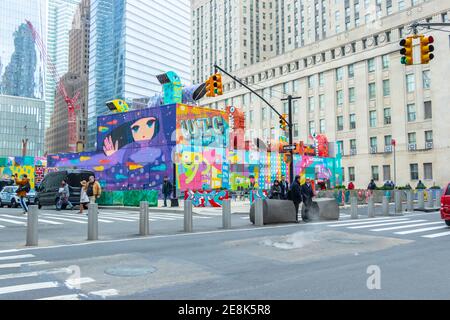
161 218
73 283
20 256
363 219
9 251
33 274
39 219
405 227
65 297
368 221
420 230
384 224
436 235
20 264
119 219
13 221
105 293
28 287
1 226
69 220
72 216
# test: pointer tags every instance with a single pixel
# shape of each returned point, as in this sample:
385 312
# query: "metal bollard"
430 199
409 201
386 205
93 221
420 199
370 208
259 216
188 216
144 227
226 214
354 207
437 201
398 201
32 226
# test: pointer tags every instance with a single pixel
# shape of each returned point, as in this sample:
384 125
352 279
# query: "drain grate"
129 271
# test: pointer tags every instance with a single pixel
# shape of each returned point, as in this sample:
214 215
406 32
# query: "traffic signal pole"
289 99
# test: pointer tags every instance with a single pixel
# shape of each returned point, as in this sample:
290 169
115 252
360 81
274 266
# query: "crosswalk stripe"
69 220
73 283
384 224
162 218
361 220
105 293
405 227
73 216
20 264
1 226
366 221
28 287
120 219
13 221
40 220
436 235
65 297
33 274
20 256
419 230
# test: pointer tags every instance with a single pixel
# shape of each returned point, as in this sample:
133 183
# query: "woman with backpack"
24 188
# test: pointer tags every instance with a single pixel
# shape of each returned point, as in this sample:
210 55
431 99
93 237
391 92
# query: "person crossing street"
24 188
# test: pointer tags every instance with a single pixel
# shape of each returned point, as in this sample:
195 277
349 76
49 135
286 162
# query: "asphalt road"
401 257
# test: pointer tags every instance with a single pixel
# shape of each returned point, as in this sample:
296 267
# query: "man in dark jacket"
307 195
166 190
372 186
284 188
296 194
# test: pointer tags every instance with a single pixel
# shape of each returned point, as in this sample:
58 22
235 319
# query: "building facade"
131 42
60 15
354 89
239 33
75 80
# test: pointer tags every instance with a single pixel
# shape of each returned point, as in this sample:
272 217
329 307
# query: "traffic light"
406 51
217 84
210 87
426 48
283 123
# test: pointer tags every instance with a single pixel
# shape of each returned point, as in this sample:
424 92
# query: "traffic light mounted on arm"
214 86
426 48
407 51
283 123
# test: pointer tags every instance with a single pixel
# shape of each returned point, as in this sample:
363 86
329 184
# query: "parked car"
445 205
47 191
8 197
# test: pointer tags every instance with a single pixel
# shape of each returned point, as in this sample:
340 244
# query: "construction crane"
72 105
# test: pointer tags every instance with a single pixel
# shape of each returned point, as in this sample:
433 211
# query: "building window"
429 136
386 172
410 84
311 104
428 171
352 146
339 74
340 146
411 110
295 129
387 140
339 98
386 88
285 107
375 175
351 71
340 123
428 113
371 65
352 121
414 171
263 114
426 79
322 125
351 95
372 92
387 115
411 138
312 128
351 173
321 79
385 61
296 85
310 82
250 116
295 107
286 87
322 102
373 118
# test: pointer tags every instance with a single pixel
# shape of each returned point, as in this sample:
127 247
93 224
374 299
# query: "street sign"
289 147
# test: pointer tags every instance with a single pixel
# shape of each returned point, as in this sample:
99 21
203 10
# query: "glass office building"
131 42
21 78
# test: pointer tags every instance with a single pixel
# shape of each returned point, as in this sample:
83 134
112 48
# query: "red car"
445 205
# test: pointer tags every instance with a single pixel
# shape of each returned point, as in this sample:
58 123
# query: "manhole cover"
346 241
129 271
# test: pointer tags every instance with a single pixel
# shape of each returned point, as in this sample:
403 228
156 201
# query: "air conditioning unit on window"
412 147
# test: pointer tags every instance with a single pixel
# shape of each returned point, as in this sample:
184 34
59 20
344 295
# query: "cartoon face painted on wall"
144 129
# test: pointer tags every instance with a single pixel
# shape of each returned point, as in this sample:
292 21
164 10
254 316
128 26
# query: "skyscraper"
60 15
131 42
21 78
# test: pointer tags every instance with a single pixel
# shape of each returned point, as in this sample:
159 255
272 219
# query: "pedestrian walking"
84 199
24 188
94 190
64 194
370 188
275 191
166 190
307 195
296 195
351 186
284 188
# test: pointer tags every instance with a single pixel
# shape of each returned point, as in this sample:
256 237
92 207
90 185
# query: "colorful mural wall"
34 168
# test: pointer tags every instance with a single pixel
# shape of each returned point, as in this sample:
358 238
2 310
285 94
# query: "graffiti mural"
205 198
